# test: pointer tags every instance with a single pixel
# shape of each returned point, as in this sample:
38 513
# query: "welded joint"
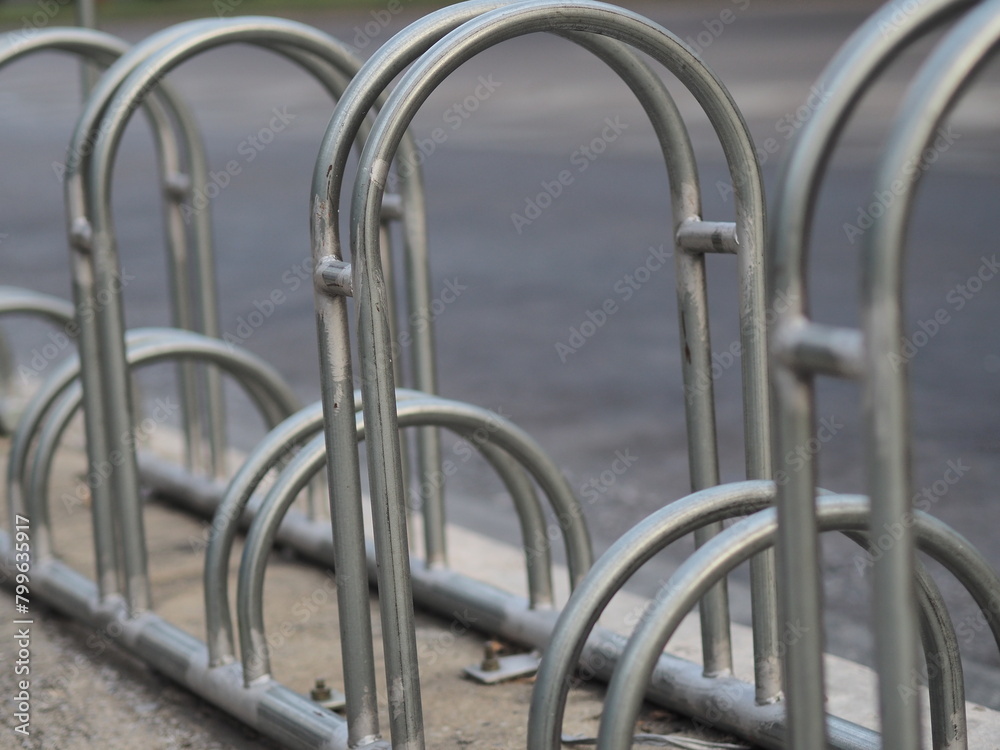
697 236
177 186
808 347
392 207
333 276
81 235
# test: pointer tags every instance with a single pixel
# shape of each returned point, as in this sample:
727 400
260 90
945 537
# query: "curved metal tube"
531 518
641 543
467 419
273 398
95 261
611 571
38 406
843 83
946 682
254 652
163 109
415 410
297 430
293 432
392 59
104 48
17 301
95 254
48 413
369 289
364 93
934 92
725 552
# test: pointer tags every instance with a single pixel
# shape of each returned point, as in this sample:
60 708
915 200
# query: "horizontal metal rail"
725 703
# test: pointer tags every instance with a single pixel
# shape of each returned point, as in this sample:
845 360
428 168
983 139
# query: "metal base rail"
275 711
724 703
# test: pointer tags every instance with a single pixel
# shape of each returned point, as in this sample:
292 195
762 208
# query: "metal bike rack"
51 409
108 109
777 710
176 138
908 606
694 237
102 369
416 409
804 349
301 428
735 545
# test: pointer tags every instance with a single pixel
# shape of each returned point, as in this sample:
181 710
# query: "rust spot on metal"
684 335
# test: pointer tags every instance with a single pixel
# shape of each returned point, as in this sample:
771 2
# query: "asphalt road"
522 281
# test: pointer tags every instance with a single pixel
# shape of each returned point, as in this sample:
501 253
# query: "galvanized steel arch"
19 301
172 127
736 545
415 410
331 63
60 401
932 95
295 432
365 90
92 238
804 349
370 292
666 526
